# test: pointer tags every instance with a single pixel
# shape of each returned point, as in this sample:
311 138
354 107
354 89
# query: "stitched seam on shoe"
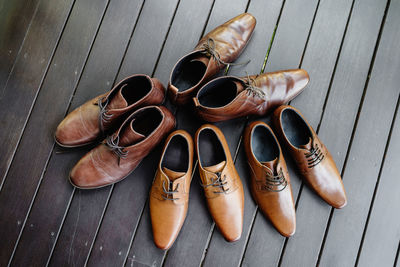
98 166
83 122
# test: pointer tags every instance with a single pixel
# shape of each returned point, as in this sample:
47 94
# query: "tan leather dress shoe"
222 186
230 97
313 159
270 181
169 194
105 112
121 152
214 51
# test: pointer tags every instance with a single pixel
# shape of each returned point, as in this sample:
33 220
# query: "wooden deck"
56 54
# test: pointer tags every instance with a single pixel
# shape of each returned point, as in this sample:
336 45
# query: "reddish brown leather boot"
169 194
121 152
270 181
312 158
105 112
221 182
214 51
230 97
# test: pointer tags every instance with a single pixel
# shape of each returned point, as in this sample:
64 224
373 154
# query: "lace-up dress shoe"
270 181
121 152
169 194
312 158
105 112
230 97
221 182
213 52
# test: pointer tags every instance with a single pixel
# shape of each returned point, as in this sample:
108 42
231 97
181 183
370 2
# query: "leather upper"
314 162
118 155
227 41
270 183
169 195
225 202
255 95
103 113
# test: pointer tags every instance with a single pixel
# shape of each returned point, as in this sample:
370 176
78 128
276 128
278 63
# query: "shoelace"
314 156
103 116
252 89
275 181
209 50
217 182
113 145
170 191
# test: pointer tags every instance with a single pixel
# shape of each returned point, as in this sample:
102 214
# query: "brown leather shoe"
213 52
169 194
105 112
222 186
270 181
230 97
313 159
121 152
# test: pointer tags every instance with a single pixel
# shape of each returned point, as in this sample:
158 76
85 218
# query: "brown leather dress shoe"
222 186
213 52
230 97
270 181
105 112
313 159
121 152
169 194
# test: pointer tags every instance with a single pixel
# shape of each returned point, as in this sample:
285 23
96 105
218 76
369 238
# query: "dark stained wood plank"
128 197
76 237
51 104
379 246
21 89
351 72
220 252
367 148
264 244
25 80
99 76
15 19
199 226
142 249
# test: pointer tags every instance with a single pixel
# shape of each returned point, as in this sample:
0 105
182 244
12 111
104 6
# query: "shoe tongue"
271 164
128 136
118 101
239 86
172 175
201 58
216 168
307 146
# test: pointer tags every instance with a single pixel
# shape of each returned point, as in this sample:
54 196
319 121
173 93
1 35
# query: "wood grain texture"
29 70
367 150
219 252
264 243
85 211
199 225
380 243
51 104
143 250
21 89
15 19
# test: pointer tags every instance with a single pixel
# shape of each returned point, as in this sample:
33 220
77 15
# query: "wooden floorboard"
219 252
336 127
64 52
265 244
69 59
15 20
85 211
366 152
22 87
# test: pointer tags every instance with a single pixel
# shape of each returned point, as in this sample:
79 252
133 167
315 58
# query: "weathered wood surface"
57 54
